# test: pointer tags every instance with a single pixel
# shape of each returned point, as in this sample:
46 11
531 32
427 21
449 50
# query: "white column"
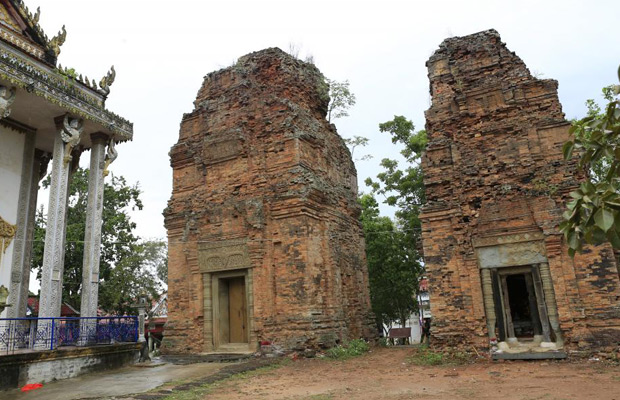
33 169
53 255
92 237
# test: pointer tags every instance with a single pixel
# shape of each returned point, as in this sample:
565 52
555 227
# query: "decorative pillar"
33 169
7 231
489 304
92 237
552 307
141 306
70 130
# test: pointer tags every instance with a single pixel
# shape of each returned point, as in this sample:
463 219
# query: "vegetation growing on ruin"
341 99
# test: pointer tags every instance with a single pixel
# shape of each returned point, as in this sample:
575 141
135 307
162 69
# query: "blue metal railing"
51 333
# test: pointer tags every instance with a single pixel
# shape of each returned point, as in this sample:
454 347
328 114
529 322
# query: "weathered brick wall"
494 169
257 161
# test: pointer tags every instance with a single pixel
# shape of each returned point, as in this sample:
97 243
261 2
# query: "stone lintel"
511 254
507 238
223 255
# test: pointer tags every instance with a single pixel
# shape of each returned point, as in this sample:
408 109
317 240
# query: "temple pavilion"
47 115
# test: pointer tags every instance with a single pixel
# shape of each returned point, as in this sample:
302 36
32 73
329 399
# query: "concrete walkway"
119 382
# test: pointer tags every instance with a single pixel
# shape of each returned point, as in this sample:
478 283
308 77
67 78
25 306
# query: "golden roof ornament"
107 81
71 133
7 233
58 41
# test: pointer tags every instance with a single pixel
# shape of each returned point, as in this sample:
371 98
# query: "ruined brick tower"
264 238
496 187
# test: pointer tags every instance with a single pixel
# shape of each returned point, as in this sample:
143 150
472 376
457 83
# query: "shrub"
424 356
354 348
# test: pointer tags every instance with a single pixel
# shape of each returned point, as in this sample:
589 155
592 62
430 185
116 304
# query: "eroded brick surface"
257 168
493 172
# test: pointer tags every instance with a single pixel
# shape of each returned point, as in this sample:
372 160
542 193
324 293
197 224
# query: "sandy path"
385 374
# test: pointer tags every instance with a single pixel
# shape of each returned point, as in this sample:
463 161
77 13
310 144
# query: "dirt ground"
385 373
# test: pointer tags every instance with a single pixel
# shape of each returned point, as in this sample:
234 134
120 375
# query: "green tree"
403 188
341 99
127 264
593 214
355 142
135 274
393 265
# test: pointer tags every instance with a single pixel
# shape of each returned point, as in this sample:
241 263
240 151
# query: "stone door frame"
510 251
211 282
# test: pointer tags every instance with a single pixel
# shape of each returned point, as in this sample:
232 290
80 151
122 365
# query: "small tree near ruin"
341 99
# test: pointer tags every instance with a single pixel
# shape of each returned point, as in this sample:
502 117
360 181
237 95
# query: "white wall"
11 157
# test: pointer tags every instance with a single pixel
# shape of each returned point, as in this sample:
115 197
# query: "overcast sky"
162 49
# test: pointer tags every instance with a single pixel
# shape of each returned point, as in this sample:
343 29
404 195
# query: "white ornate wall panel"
11 154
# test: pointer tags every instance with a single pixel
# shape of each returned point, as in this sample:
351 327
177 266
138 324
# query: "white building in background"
47 113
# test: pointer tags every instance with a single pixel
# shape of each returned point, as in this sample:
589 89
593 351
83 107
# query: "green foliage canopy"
403 188
393 265
394 262
593 214
128 266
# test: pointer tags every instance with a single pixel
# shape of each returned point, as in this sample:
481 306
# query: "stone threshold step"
546 355
199 358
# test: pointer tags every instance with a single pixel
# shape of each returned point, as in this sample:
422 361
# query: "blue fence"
51 333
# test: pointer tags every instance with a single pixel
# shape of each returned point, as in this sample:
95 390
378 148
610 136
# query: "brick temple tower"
496 186
264 238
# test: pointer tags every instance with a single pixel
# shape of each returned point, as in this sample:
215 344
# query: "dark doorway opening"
520 306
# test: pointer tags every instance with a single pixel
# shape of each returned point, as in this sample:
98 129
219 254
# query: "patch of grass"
424 356
192 394
354 348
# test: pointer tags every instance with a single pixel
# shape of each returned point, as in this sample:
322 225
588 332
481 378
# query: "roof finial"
107 80
58 41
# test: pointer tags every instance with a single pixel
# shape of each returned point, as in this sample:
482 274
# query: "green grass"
354 348
423 356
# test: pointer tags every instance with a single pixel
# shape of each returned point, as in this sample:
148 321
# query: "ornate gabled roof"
28 59
21 28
